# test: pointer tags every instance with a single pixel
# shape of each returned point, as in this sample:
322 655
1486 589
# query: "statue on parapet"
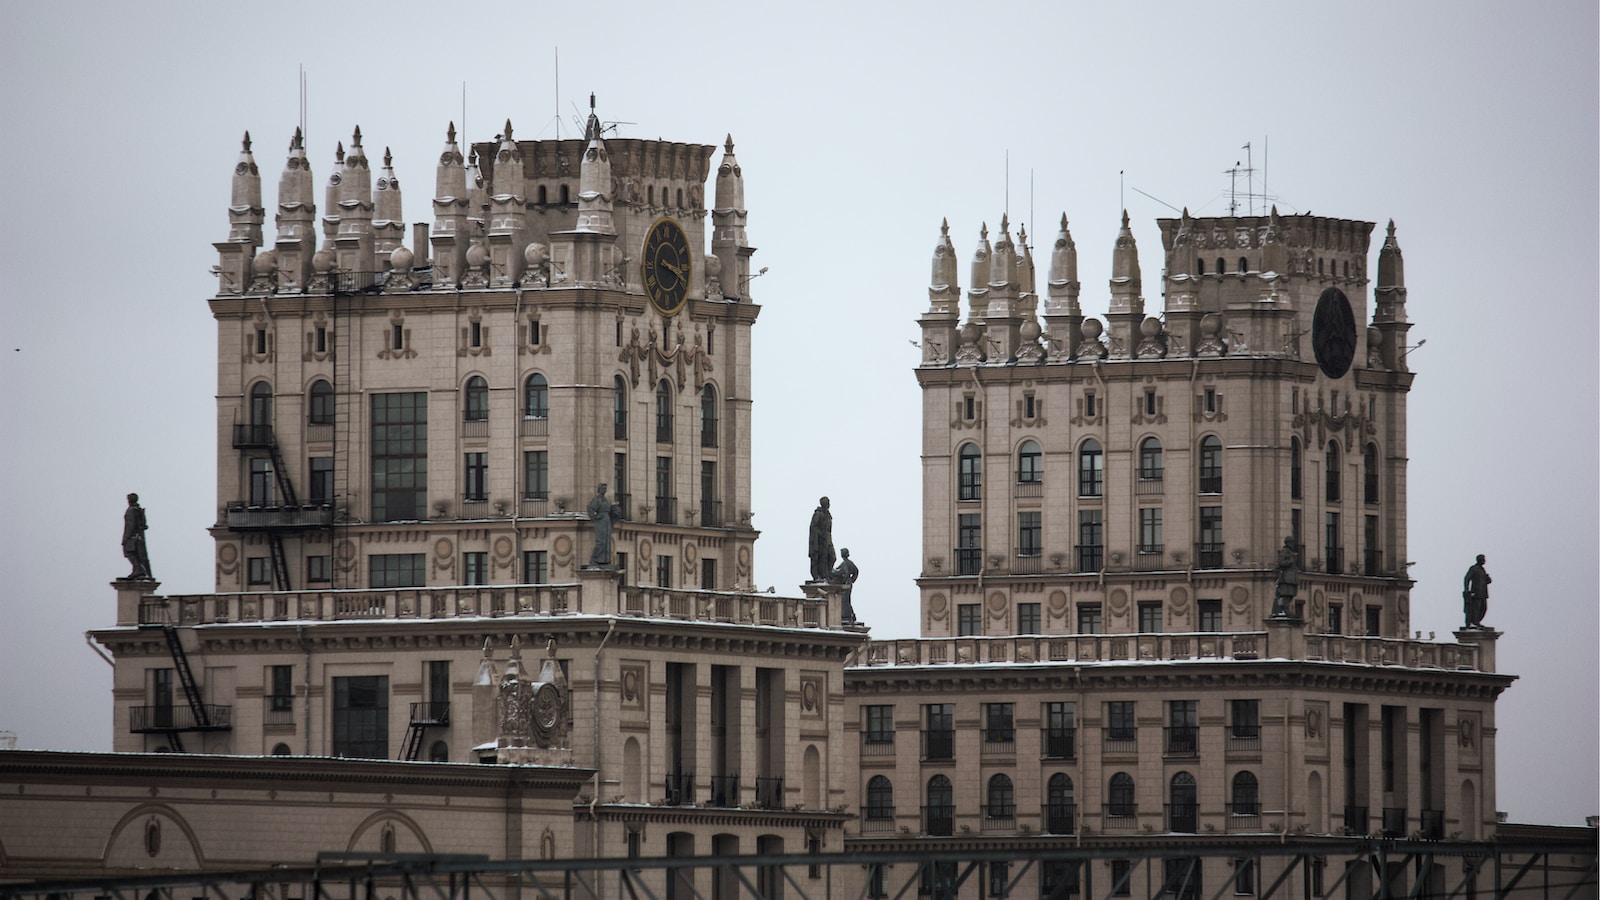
133 545
845 574
1475 593
603 513
1288 580
821 543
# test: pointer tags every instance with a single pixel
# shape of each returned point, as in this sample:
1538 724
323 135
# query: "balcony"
1150 558
1372 563
1028 561
969 560
1183 818
1181 741
1244 739
1059 818
475 427
769 792
165 719
1210 483
1208 555
433 713
253 437
878 820
998 743
1244 817
1119 740
1333 560
1432 824
725 790
1060 743
1091 557
939 821
1355 820
1028 490
666 510
1149 486
679 789
1120 817
241 517
880 744
1000 817
1394 821
278 709
535 426
710 513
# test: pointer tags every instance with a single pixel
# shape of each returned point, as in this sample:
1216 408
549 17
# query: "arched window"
1059 804
544 195
1030 463
477 405
708 416
971 472
619 409
941 812
1222 267
1370 474
1150 462
880 798
280 750
1210 465
261 404
664 412
1296 478
1002 798
1120 798
1200 266
319 411
1091 469
1332 464
565 195
536 398
1246 795
439 752
1244 265
1182 802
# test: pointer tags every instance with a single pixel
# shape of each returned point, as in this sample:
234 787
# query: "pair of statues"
823 569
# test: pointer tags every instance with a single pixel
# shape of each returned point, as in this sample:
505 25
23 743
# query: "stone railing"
1087 648
583 598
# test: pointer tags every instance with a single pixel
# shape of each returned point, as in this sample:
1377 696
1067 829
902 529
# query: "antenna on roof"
302 100
558 93
1008 183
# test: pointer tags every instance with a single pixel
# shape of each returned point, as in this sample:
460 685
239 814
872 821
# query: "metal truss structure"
1295 869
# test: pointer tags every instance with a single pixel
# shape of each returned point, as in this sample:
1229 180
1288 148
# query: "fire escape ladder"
413 748
285 486
191 691
280 562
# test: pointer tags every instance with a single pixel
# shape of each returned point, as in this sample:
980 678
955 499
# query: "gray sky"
1472 125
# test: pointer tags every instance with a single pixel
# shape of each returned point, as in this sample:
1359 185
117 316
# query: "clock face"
666 266
1333 333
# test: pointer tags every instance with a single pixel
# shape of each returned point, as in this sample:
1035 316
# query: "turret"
354 246
450 235
728 240
1062 315
506 213
296 219
594 180
944 302
1000 320
1028 348
245 216
978 297
330 199
1127 306
1389 307
388 219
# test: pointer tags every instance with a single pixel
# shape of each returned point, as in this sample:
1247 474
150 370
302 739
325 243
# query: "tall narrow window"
476 408
1029 619
1210 614
1091 469
1332 464
969 543
321 480
1150 532
619 483
1150 617
320 408
1333 552
261 410
619 409
1002 800
475 567
397 337
536 475
971 472
1030 463
361 716
940 814
536 398
1208 553
1372 555
710 506
1296 478
1210 465
261 481
666 502
1150 460
1090 619
475 334
969 619
1120 797
1369 481
536 566
476 487
1091 537
708 416
1246 796
880 798
664 412
1121 722
1183 802
1030 540
664 571
399 456
1091 410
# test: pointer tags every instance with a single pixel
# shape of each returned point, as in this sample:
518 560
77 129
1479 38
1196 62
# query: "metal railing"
1059 743
877 744
878 820
969 560
161 719
998 742
1210 484
1028 489
1181 741
1149 558
253 437
1119 740
769 791
1059 818
666 510
710 513
535 426
1119 817
1091 557
679 789
939 821
725 790
1000 817
938 745
433 712
1028 561
277 709
1208 555
242 517
1183 818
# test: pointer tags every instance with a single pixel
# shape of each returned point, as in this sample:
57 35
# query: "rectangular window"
710 509
1372 557
939 737
361 716
1182 728
1120 722
999 879
536 474
708 574
476 487
1029 406
1150 531
969 546
1029 620
258 570
319 569
1121 878
322 339
475 334
1091 535
619 481
1091 470
1208 555
261 341
438 682
475 568
161 695
880 724
534 332
1299 543
322 480
971 473
1090 410
387 570
1244 881
1335 618
260 481
1149 403
399 456
1244 718
999 723
665 501
1210 615
1331 551
1089 621
1374 620
1059 730
536 566
280 688
1150 617
1030 540
969 619
711 341
969 408
664 571
1211 400
397 337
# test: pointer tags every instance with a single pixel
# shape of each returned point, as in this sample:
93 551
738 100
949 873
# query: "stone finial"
338 153
945 281
594 180
980 260
727 146
245 213
355 139
1391 264
1125 260
450 133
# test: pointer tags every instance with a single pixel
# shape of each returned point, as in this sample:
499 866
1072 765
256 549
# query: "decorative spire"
1025 261
1391 265
945 281
1125 260
297 206
729 242
388 217
1002 265
245 213
980 261
594 181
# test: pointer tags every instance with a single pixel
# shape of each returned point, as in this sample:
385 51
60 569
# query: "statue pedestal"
1286 637
598 592
131 594
1484 639
832 594
513 755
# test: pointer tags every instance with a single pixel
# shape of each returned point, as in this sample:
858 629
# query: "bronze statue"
133 546
603 513
845 574
821 544
1475 593
1288 579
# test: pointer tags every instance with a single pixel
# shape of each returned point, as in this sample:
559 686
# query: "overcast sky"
1472 125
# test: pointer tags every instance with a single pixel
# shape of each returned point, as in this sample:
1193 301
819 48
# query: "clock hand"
676 270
